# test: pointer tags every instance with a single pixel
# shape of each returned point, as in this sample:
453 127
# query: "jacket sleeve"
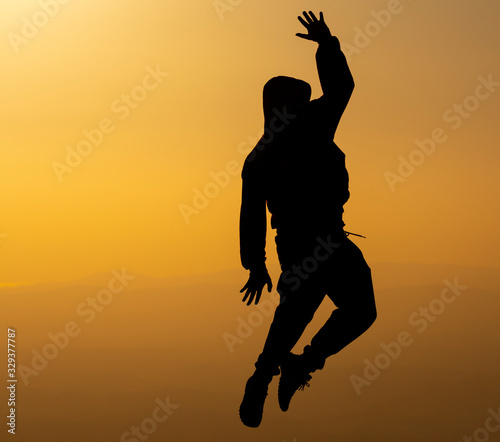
253 223
336 82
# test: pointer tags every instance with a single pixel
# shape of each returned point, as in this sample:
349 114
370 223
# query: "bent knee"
366 316
369 316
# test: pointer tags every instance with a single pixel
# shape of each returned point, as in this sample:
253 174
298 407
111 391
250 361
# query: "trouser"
333 268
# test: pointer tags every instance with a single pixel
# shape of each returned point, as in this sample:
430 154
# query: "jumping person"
299 172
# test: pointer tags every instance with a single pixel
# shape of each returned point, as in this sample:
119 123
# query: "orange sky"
119 206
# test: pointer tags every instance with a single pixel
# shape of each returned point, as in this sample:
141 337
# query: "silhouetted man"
299 172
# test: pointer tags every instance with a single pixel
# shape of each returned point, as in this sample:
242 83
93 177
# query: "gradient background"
120 208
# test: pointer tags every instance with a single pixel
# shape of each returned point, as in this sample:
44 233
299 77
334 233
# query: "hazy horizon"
171 340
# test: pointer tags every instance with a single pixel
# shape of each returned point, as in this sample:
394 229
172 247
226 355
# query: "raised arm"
334 73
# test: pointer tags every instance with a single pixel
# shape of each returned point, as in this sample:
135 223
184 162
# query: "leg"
297 307
299 302
348 283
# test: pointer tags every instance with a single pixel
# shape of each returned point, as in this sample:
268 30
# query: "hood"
284 92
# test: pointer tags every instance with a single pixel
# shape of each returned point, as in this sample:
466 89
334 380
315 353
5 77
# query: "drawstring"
355 234
305 384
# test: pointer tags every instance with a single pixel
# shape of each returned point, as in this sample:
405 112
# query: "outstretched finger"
251 298
246 295
313 17
303 21
321 18
306 15
257 298
244 288
307 37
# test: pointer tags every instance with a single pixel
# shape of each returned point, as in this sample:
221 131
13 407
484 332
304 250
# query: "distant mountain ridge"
385 275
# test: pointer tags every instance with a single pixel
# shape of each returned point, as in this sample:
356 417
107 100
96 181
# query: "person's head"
284 92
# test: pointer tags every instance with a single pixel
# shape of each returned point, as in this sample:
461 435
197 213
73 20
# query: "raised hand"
317 29
255 285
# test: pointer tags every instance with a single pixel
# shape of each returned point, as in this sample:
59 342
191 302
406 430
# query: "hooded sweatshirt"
296 169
